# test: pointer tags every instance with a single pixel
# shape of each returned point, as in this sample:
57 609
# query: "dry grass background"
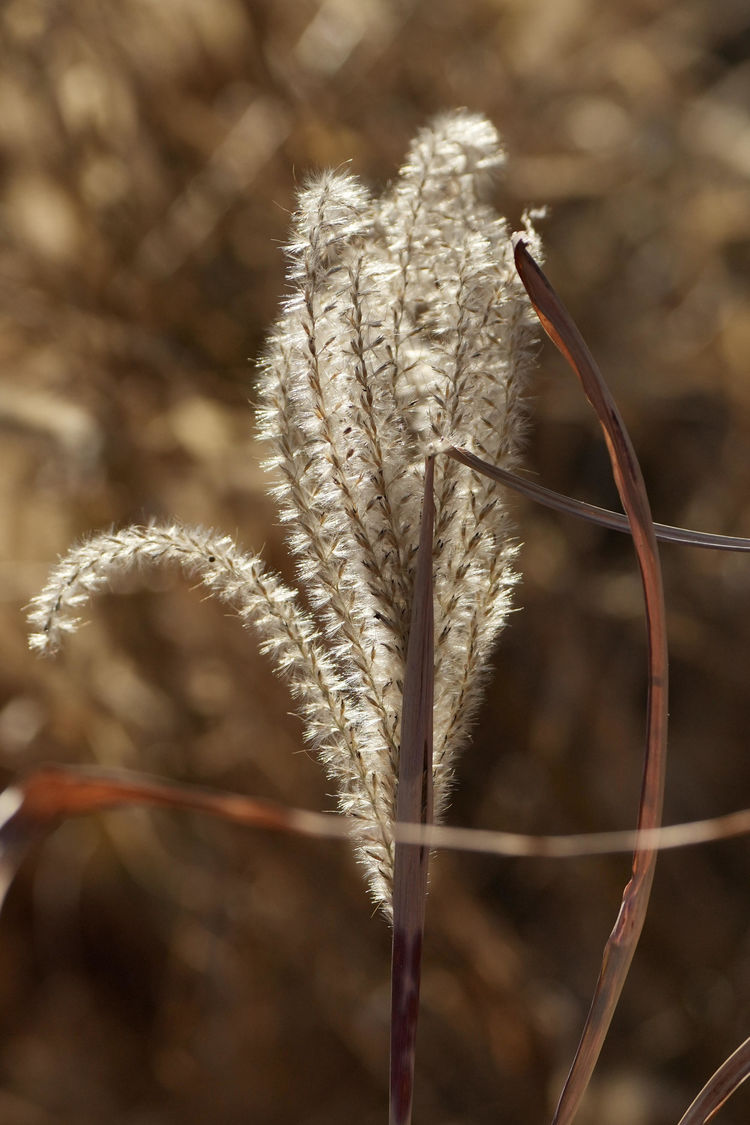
157 970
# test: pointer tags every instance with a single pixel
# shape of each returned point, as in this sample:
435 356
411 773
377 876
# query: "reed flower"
406 332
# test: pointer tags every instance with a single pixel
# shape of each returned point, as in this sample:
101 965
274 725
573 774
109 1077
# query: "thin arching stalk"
720 1087
33 806
620 947
591 513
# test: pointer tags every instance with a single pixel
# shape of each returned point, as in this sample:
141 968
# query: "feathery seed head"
406 332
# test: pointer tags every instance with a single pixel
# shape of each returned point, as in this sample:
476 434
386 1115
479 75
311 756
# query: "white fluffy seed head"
406 331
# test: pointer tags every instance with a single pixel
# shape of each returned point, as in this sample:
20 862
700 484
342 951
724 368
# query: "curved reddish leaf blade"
413 806
620 947
720 1086
601 516
487 841
33 807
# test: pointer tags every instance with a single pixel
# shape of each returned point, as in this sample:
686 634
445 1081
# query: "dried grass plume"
406 332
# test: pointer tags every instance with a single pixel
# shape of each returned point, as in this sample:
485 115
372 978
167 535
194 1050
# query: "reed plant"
391 396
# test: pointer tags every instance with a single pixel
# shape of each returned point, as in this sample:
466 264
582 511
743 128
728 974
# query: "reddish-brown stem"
620 947
413 806
720 1086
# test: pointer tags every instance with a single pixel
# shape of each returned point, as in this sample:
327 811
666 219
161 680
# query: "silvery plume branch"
406 332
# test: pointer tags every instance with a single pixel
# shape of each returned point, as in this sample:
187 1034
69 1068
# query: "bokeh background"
157 969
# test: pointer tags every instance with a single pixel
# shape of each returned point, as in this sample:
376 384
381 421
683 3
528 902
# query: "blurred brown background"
156 969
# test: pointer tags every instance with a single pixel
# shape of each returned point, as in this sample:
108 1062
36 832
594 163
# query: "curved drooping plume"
406 332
